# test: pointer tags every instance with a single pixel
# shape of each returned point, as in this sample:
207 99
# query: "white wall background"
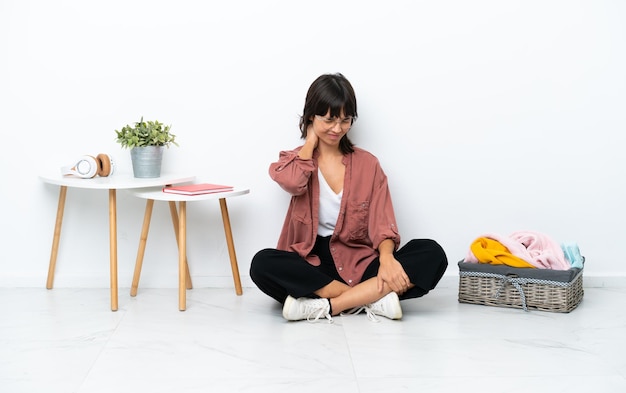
488 116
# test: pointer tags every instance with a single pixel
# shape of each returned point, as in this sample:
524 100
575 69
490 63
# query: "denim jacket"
366 216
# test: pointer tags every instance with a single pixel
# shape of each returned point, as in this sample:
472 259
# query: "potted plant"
146 141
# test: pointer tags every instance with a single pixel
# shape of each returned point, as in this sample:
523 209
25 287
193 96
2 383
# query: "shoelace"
321 312
318 309
368 311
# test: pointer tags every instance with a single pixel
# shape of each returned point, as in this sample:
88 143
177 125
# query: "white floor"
68 340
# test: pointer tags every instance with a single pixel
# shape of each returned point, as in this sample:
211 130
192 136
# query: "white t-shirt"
330 203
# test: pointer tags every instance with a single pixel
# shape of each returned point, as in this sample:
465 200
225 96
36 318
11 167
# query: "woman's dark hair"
330 92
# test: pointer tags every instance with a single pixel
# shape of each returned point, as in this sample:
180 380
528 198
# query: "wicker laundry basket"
528 289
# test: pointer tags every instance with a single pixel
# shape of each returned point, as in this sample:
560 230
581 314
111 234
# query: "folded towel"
491 251
572 254
535 248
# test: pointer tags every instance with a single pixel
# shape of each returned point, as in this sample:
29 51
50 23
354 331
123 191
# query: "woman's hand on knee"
392 274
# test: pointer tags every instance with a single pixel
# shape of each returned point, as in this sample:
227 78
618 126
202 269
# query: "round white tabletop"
117 181
157 194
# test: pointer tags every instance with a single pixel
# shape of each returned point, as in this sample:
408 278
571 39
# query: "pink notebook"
197 189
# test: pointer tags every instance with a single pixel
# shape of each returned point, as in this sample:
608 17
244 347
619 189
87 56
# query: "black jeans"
281 273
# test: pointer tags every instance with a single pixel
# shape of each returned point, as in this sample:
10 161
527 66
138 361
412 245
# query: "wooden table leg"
56 237
113 246
174 215
143 239
182 257
231 246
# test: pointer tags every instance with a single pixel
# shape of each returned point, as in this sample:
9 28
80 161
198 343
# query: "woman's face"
330 129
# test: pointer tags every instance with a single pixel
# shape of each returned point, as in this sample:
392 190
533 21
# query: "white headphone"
87 167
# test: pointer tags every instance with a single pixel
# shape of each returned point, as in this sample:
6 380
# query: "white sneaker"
306 308
388 306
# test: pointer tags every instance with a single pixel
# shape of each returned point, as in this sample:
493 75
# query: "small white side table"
112 183
179 219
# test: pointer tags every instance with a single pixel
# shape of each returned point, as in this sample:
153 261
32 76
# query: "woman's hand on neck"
310 144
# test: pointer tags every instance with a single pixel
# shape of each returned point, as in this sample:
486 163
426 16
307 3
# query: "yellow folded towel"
492 251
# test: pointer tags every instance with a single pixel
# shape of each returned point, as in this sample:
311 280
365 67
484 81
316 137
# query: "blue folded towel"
572 254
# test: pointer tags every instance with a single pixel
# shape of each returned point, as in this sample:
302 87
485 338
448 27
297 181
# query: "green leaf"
145 133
